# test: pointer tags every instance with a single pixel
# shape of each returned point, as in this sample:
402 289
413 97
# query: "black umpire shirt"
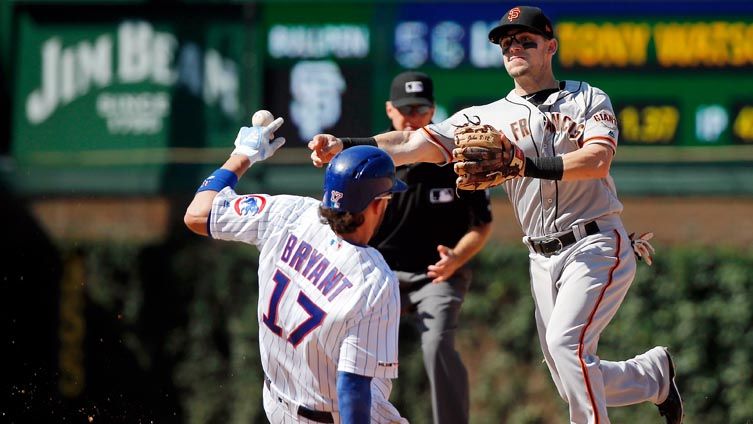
428 214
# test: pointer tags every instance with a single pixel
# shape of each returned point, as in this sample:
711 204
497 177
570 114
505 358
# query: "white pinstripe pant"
284 412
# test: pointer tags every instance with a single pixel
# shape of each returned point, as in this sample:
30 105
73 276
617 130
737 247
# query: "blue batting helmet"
356 176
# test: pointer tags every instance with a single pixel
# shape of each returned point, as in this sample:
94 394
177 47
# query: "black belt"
552 245
318 416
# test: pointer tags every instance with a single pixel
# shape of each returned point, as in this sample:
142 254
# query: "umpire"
427 237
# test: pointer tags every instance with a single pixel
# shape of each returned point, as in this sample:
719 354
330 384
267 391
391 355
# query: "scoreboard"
674 82
680 77
676 77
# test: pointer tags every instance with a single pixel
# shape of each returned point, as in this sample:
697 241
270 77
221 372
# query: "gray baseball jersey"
325 305
569 119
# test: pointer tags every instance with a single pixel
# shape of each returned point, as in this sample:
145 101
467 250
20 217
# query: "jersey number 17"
316 314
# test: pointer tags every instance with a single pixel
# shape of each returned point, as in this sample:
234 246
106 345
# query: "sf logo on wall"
316 87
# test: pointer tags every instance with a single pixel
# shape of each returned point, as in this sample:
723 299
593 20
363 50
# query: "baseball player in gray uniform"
329 306
581 260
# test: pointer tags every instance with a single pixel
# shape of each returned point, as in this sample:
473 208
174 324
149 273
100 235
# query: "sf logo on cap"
513 14
414 86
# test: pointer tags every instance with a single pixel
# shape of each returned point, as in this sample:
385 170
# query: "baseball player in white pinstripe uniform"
329 306
581 260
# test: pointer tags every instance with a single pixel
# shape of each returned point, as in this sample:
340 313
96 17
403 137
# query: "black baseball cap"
528 18
412 88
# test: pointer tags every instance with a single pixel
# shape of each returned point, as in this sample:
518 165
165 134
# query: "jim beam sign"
132 73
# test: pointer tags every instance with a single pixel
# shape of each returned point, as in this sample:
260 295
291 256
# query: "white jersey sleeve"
601 124
370 345
251 218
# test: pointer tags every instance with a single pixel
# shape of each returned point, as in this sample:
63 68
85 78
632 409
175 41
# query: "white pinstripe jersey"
569 119
325 305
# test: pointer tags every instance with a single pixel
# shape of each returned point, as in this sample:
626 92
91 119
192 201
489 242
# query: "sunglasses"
526 41
410 110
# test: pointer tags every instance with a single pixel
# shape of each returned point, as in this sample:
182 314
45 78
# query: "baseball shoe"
671 409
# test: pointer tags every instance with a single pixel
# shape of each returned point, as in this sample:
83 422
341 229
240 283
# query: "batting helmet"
356 176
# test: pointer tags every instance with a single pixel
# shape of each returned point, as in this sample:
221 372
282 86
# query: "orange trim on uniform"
588 323
433 140
612 142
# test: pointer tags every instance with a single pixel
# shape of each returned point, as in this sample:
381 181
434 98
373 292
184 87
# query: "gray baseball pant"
436 308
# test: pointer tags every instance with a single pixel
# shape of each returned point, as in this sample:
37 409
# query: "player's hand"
643 250
254 142
323 148
447 264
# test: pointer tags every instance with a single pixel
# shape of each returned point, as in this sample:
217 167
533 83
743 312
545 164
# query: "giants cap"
412 89
526 18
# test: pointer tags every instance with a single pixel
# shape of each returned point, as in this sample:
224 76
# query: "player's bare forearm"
238 164
592 161
197 213
407 147
472 242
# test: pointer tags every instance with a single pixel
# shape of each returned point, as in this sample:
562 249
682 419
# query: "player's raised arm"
403 146
252 144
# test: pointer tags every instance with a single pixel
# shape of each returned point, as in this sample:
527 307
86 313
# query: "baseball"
262 118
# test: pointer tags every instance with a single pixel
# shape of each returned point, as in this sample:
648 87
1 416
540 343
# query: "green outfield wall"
142 97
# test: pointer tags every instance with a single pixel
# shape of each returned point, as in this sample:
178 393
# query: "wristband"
219 179
550 168
358 141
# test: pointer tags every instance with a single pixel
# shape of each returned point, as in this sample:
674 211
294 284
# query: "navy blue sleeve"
354 397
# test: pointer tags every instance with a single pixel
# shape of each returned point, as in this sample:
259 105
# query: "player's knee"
559 342
436 346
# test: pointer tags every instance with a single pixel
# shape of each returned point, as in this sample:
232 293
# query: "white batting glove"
642 248
254 142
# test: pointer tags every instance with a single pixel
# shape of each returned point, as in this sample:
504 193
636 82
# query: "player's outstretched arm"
197 213
354 398
403 146
406 147
252 144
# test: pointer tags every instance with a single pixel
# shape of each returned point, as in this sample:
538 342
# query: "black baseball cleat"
671 409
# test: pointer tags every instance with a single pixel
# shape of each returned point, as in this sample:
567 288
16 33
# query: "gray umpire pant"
437 308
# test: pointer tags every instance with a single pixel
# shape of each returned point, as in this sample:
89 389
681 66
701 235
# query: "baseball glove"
485 157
